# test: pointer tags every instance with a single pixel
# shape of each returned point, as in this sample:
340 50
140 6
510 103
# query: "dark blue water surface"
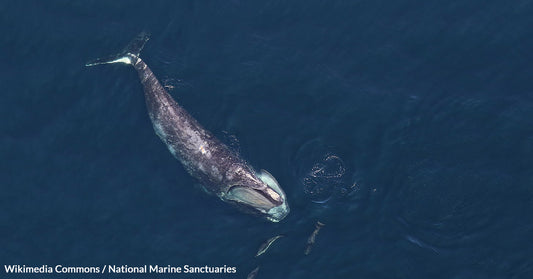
405 126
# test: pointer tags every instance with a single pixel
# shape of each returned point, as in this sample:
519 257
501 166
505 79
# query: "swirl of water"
321 173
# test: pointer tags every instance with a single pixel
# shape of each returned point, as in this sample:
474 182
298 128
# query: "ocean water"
406 127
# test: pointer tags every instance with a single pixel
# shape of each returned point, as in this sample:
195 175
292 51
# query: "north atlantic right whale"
219 169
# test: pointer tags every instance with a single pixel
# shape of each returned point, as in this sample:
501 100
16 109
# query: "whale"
220 170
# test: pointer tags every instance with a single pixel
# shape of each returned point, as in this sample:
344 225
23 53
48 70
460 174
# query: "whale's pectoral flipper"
133 48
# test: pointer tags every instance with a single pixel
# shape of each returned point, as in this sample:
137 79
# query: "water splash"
321 173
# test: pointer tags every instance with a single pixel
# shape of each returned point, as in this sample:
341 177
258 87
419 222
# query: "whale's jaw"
261 195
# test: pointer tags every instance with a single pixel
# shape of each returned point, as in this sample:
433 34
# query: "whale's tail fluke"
132 49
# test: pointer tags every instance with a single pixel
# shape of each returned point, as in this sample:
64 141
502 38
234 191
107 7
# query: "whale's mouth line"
258 191
252 197
257 201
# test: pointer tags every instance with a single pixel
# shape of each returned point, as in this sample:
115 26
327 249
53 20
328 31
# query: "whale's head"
258 194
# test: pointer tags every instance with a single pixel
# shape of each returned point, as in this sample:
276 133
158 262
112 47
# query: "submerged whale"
220 170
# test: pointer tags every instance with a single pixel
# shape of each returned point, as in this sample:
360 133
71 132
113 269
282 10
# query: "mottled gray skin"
217 167
204 156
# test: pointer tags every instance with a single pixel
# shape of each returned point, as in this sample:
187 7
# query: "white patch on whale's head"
259 194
